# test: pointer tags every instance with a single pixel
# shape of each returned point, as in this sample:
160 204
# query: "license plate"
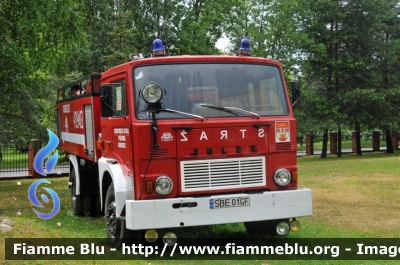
230 202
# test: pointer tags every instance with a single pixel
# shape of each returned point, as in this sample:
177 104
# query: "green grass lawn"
353 197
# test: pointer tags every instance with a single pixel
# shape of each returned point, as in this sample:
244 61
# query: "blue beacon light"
244 47
158 48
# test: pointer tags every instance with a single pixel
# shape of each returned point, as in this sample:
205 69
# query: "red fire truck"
177 141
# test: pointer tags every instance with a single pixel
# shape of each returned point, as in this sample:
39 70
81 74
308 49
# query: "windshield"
207 89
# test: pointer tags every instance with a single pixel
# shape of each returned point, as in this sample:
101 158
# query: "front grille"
216 174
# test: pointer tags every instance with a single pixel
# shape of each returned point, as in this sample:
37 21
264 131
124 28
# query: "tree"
273 28
341 49
385 63
202 24
121 40
320 57
34 39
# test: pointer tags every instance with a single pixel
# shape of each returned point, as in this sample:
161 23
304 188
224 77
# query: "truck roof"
188 59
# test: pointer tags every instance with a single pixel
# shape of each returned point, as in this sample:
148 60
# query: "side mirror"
295 94
106 101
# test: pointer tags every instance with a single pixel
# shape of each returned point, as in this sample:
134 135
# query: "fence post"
395 140
376 145
33 148
309 144
353 142
333 143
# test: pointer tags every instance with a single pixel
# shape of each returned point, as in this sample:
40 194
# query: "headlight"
163 185
282 177
152 93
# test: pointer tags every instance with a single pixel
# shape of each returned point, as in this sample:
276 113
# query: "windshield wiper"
230 110
180 112
183 113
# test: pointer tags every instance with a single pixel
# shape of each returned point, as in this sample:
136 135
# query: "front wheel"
116 228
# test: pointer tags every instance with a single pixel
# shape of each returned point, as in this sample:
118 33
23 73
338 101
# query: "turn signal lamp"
100 144
294 176
149 186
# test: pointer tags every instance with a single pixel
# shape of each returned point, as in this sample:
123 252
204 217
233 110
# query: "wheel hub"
111 220
73 197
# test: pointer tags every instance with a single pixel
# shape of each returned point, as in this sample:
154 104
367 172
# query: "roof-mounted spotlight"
152 93
244 48
158 47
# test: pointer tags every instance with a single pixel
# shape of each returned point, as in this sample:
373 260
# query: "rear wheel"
263 228
81 204
116 228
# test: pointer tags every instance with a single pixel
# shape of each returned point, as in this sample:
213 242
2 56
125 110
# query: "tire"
117 232
96 210
81 204
262 228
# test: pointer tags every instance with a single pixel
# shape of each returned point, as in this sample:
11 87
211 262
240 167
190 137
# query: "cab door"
116 128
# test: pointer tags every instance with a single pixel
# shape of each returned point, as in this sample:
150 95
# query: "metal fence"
12 160
16 158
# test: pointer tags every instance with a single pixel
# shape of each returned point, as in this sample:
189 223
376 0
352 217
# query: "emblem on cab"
282 130
166 137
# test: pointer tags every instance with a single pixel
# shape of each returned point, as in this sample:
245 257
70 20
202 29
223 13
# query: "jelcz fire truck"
178 141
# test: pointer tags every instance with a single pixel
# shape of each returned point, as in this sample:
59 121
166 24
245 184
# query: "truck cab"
174 141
